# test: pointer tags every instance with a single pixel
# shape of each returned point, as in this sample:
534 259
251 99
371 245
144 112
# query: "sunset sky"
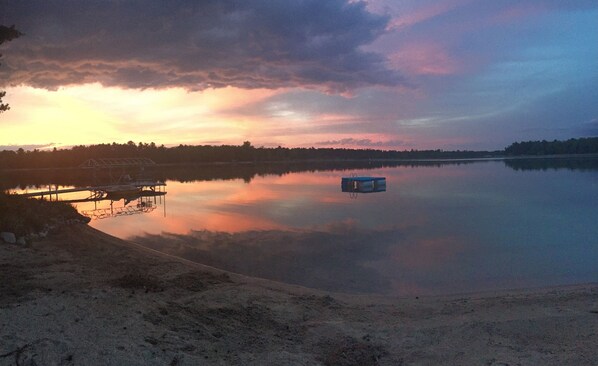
401 74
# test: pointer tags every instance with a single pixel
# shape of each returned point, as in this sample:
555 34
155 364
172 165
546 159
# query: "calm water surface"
436 230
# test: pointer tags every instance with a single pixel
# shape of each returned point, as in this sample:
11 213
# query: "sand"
82 297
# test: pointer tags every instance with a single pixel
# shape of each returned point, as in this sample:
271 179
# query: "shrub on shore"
23 216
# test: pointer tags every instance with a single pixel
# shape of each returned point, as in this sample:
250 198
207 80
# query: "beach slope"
82 297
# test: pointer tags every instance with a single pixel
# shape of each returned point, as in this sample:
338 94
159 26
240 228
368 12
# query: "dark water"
438 228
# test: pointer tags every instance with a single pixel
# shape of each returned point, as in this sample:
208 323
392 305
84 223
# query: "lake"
439 228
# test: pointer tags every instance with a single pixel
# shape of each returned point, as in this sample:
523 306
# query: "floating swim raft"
363 184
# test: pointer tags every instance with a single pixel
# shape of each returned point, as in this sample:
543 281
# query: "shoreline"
379 297
81 296
327 161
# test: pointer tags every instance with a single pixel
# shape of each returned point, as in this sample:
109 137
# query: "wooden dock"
100 192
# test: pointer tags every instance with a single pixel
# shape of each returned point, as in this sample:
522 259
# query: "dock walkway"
96 191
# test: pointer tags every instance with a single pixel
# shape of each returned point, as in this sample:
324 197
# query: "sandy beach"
82 297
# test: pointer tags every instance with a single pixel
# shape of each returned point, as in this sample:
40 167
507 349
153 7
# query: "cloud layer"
196 45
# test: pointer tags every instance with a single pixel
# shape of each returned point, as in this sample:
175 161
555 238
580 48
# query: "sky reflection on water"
436 230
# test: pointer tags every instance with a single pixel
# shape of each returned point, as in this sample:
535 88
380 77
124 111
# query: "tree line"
588 145
199 154
41 178
247 153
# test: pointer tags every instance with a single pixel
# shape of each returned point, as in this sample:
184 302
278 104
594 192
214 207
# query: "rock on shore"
7 237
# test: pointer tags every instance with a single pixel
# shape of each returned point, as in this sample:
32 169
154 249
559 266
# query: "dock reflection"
143 202
111 180
136 196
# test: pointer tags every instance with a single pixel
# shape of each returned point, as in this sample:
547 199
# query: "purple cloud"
196 45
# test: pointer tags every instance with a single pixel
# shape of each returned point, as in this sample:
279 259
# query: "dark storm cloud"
195 44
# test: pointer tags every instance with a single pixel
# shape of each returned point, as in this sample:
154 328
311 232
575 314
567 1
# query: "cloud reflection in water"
449 229
332 258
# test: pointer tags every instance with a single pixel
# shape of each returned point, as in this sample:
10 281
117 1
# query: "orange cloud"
92 113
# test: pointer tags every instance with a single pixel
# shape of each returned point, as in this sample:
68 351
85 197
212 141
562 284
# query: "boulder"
8 237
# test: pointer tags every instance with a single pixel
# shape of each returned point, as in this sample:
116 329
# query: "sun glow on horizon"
92 114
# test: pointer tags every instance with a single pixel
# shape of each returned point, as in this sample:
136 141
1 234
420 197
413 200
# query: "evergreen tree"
7 34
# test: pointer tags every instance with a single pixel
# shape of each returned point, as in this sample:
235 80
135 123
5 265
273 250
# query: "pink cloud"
518 11
372 141
424 59
408 13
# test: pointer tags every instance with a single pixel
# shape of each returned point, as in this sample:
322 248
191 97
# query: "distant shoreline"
340 161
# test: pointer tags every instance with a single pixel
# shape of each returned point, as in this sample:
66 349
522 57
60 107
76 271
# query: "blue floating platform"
363 184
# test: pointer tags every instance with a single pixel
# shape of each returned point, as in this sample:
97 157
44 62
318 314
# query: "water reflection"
21 179
440 228
102 198
455 229
143 201
331 258
587 163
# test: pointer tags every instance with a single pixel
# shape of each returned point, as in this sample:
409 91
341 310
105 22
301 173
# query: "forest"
247 153
201 154
588 145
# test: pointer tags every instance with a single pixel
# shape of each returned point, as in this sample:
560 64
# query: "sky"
400 74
